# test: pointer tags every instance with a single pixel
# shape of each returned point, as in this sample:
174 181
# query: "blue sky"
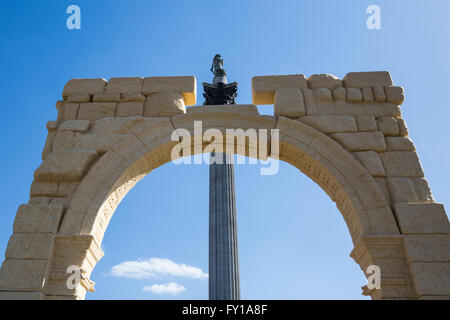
293 241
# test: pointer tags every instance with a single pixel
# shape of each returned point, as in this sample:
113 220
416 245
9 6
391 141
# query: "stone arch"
97 151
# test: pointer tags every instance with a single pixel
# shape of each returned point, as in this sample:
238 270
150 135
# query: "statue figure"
217 65
220 92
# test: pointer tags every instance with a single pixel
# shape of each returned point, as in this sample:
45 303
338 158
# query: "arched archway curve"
148 145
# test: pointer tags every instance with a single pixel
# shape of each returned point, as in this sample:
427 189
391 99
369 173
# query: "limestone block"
106 97
264 87
117 125
129 109
64 140
164 104
329 123
421 218
128 85
371 161
23 275
328 81
21 295
339 94
70 111
388 125
379 94
399 144
86 86
96 110
80 247
354 95
428 247
402 164
133 97
403 129
310 102
60 107
43 218
367 79
65 165
30 246
75 125
67 188
289 103
366 123
367 94
98 142
39 189
409 190
395 95
185 85
431 278
382 221
361 141
48 147
323 94
384 187
79 97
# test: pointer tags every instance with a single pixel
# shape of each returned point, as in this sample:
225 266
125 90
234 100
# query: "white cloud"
172 288
153 267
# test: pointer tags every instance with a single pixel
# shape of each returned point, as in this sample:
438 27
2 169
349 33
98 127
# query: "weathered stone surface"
368 95
399 144
75 125
371 161
69 111
395 94
106 97
409 190
323 94
133 97
384 188
185 85
264 87
339 94
310 102
428 247
98 142
23 275
354 95
367 79
432 278
379 94
329 124
164 104
65 165
129 85
79 97
421 218
64 140
21 295
388 125
366 123
46 189
30 246
289 103
361 141
48 147
402 164
96 110
402 127
86 86
328 81
129 109
43 218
